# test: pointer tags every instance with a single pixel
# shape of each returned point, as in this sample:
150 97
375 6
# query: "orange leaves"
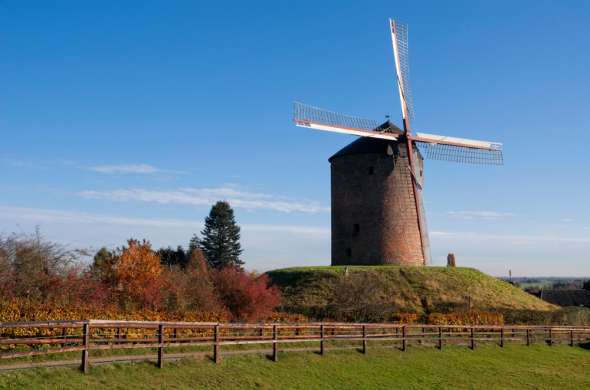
405 318
466 318
138 272
138 264
22 310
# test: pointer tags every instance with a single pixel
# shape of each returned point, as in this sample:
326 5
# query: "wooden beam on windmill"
317 118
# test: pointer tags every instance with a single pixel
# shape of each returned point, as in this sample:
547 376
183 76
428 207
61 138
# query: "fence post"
322 339
550 336
472 339
175 334
403 338
440 341
217 345
85 343
275 338
571 337
160 346
364 339
64 336
502 337
528 337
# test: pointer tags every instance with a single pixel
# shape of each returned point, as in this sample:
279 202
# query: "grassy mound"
486 367
317 291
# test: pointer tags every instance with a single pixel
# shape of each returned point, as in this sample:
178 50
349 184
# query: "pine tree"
221 237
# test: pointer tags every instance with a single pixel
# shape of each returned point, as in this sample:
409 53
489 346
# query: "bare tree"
32 266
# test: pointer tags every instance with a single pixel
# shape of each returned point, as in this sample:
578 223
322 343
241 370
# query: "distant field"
489 367
547 282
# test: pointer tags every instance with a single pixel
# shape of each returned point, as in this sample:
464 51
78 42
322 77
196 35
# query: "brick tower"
374 215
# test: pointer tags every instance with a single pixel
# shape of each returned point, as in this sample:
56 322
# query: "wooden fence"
27 339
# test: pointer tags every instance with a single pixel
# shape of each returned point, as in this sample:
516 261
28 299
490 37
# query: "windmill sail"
317 118
401 54
461 150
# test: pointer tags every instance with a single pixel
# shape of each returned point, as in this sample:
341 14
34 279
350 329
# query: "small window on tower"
371 170
356 229
348 252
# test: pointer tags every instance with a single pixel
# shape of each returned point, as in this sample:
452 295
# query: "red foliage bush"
81 289
246 295
192 288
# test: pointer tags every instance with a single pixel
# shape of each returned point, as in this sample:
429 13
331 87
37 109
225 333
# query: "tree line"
220 243
208 276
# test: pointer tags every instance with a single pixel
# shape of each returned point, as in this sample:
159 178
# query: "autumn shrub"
246 295
405 318
192 288
20 309
40 280
466 318
6 279
139 274
78 288
287 318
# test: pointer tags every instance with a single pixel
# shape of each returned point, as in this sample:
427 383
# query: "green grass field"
489 367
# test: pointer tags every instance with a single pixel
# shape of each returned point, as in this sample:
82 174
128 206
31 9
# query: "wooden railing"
26 339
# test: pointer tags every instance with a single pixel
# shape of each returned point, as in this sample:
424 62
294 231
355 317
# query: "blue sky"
128 119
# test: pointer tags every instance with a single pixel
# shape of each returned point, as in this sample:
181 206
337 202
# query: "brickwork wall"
374 219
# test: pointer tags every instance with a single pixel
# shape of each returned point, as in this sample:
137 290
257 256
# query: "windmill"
377 210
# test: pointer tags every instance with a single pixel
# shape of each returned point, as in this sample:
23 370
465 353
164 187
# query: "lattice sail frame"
399 33
434 147
317 118
460 154
304 113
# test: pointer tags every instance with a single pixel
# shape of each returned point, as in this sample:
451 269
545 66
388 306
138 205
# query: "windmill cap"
364 145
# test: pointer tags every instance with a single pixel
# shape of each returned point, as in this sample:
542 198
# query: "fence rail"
28 339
